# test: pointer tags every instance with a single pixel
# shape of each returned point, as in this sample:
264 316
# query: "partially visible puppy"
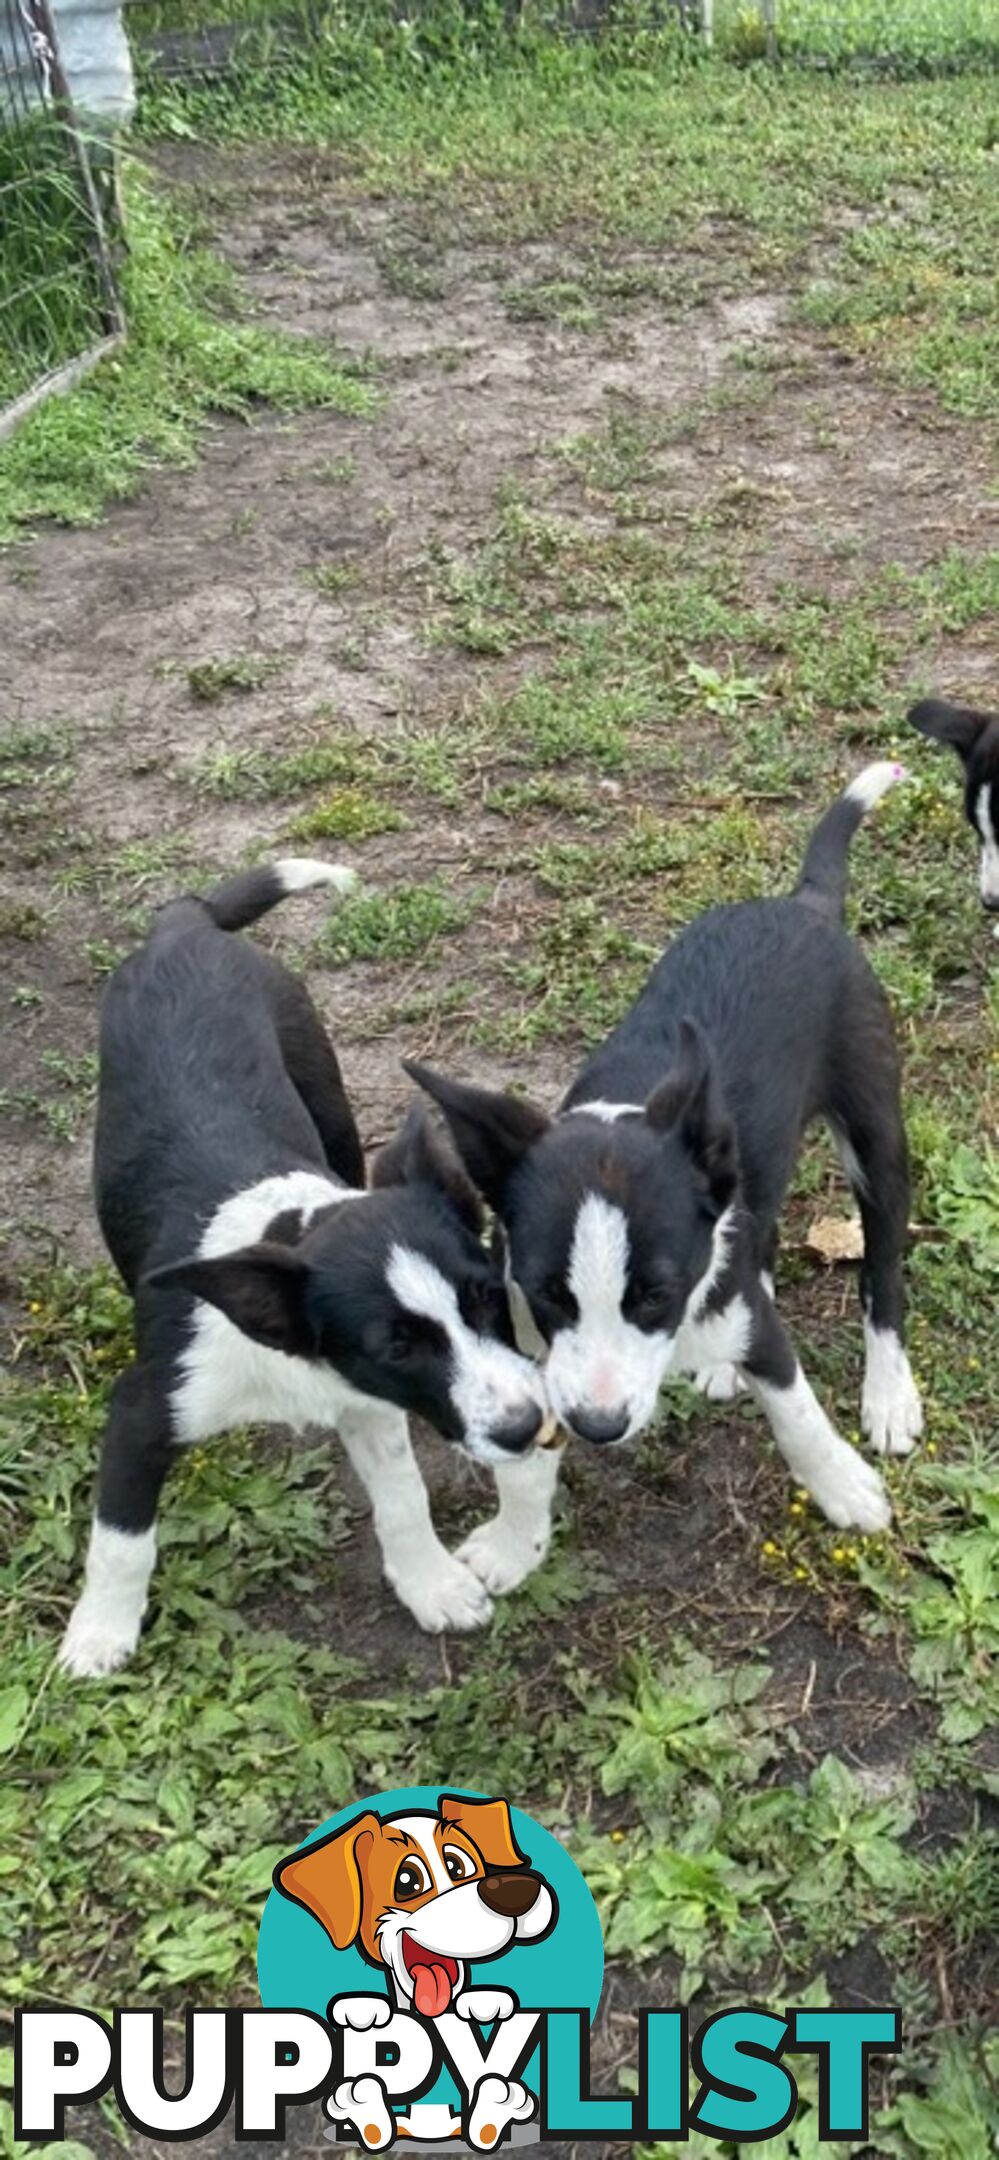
975 737
268 1287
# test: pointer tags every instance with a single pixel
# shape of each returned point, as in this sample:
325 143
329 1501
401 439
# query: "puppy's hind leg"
314 1070
846 1488
105 1622
873 1149
432 1583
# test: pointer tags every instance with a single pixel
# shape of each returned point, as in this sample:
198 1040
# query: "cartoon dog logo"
424 1896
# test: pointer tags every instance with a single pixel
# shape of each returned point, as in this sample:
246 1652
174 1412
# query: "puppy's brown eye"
459 1864
412 1880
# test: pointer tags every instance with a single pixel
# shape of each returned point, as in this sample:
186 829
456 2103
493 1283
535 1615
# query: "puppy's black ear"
492 1132
689 1103
420 1156
261 1290
957 725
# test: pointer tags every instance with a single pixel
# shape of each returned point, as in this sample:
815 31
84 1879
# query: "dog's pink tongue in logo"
434 1978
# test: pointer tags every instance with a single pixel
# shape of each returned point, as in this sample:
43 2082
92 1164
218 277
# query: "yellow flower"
796 1507
931 1447
617 1837
770 1549
801 1574
839 1554
34 1306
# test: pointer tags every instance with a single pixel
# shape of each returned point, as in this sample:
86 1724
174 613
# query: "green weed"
347 814
392 925
210 679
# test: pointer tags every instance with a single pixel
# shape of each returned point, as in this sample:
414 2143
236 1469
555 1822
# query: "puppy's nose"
990 901
510 1894
599 1425
518 1433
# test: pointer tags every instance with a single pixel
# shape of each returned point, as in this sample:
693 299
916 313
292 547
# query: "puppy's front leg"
504 1551
432 1583
846 1488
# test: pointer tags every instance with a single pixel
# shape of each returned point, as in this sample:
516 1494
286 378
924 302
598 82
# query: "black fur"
762 1017
975 737
215 1073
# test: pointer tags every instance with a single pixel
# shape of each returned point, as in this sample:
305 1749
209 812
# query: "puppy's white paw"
851 1493
358 2013
720 1383
498 2102
891 1413
362 2102
95 1644
500 1556
443 1595
484 2005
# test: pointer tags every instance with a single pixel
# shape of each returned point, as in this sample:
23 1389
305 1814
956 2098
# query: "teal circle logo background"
298 1968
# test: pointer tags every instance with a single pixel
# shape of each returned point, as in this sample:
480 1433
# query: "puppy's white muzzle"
604 1385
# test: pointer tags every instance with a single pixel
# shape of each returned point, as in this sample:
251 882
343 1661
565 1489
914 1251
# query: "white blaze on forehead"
490 1385
421 1829
422 1289
598 1262
990 845
603 1363
607 1112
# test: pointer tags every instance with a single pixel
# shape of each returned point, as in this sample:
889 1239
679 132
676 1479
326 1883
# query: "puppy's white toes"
498 2102
484 2005
361 2101
500 1557
851 1494
720 1383
891 1413
92 1647
358 2013
446 1596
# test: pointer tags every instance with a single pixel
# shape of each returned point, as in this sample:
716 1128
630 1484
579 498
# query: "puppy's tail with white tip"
244 898
823 879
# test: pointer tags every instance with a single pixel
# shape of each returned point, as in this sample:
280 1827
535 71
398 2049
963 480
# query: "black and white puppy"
641 1219
975 737
268 1285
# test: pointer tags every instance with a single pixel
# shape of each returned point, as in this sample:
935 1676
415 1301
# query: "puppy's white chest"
721 1338
228 1380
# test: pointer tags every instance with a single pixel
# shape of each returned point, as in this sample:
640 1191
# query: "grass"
190 354
613 133
209 680
393 925
51 303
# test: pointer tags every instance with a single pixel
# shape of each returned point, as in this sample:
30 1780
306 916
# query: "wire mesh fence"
181 37
58 304
895 36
